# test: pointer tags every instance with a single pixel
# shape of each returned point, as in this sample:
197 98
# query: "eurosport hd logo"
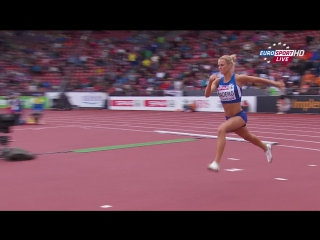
280 55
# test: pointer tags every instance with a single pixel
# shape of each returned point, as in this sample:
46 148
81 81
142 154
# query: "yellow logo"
305 105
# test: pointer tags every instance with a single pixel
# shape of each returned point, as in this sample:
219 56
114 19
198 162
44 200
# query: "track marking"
312 149
147 117
146 122
312 165
149 131
288 134
114 128
172 118
198 115
287 139
207 136
281 179
233 159
233 169
87 127
139 130
143 144
106 206
68 151
114 147
42 128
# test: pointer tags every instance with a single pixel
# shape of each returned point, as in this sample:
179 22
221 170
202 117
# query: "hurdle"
208 136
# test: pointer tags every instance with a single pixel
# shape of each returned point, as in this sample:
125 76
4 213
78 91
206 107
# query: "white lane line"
208 136
106 206
281 179
233 169
312 165
312 149
233 159
287 139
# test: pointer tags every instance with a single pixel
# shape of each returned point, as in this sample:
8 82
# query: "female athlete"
229 89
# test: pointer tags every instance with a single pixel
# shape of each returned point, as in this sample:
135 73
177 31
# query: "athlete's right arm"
212 85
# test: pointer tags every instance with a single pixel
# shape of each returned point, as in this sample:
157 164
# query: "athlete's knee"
221 130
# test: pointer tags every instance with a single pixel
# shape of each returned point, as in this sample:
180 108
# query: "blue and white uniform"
230 92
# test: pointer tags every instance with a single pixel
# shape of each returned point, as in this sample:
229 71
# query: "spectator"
41 60
308 77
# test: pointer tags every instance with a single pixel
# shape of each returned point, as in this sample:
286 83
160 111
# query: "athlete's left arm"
245 79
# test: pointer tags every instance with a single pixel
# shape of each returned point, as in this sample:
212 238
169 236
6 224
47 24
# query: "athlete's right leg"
246 135
230 125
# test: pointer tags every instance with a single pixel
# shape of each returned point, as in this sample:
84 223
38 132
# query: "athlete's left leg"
228 126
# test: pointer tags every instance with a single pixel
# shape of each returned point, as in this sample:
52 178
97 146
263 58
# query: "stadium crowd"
140 62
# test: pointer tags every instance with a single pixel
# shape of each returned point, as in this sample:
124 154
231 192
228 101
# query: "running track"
161 177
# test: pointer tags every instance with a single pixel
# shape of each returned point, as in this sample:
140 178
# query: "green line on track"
143 144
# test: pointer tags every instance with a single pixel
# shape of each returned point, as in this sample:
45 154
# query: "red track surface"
162 177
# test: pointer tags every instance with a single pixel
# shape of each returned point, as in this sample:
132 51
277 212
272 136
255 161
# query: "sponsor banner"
295 104
159 103
82 99
88 99
304 104
211 104
143 103
27 101
125 103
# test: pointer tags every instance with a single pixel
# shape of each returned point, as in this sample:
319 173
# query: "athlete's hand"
213 77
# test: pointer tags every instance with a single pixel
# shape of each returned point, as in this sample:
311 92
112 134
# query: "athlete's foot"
214 166
269 153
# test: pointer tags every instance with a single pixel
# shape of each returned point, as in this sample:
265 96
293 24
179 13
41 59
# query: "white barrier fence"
98 99
211 104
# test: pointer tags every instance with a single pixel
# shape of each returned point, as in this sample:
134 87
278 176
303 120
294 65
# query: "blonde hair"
230 59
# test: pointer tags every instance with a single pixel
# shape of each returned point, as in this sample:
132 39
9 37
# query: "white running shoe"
268 153
214 166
